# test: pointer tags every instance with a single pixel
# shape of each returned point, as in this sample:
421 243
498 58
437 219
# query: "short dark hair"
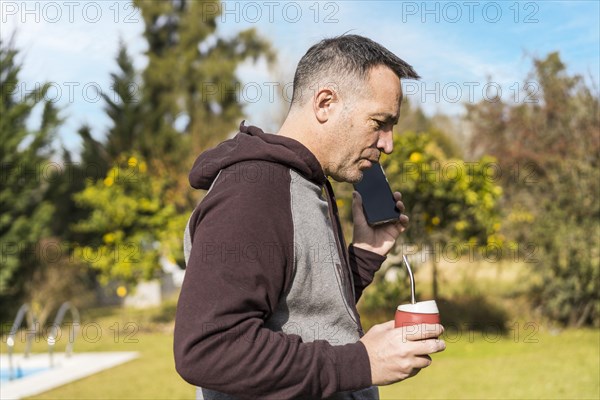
345 58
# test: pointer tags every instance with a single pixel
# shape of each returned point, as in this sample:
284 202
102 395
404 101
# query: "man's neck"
302 134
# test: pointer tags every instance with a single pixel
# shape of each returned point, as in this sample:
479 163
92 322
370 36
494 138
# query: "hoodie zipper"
344 257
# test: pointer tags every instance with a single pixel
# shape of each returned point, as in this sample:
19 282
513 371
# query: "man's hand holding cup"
399 349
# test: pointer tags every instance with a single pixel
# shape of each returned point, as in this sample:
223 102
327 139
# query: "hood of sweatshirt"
251 143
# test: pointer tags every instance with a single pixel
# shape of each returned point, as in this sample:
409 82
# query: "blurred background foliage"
132 222
506 181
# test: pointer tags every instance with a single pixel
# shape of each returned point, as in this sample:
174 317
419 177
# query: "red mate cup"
423 312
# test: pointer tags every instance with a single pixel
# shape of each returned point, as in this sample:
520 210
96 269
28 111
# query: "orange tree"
452 205
132 220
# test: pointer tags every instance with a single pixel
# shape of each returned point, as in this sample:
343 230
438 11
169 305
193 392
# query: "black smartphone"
378 201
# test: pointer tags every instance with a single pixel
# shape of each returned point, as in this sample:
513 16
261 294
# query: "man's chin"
353 177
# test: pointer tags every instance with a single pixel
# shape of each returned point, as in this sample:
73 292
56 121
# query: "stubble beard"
348 174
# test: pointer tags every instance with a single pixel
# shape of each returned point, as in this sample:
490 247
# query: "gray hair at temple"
344 62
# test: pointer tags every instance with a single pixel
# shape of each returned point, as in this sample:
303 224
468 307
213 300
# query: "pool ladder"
26 311
60 315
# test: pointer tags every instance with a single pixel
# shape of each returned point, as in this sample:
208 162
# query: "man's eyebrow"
387 117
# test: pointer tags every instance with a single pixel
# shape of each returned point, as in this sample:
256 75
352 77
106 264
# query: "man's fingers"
404 220
425 347
357 210
400 206
419 363
423 331
431 346
399 203
387 325
423 361
357 198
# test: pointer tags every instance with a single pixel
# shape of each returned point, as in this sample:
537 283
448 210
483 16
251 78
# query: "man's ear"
325 103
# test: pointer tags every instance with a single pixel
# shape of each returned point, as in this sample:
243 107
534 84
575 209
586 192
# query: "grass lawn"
151 376
523 365
526 363
560 366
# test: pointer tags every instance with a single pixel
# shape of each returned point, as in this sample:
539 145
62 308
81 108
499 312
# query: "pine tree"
191 77
24 214
187 98
124 109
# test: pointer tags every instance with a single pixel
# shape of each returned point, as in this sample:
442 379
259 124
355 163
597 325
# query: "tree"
69 179
25 153
125 111
452 204
131 222
548 148
190 94
185 100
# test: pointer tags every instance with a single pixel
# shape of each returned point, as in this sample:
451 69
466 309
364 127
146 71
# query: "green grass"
152 376
529 362
560 366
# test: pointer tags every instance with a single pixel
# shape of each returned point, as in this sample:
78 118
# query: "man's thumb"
357 209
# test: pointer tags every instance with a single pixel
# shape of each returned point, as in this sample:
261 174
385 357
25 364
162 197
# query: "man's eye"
380 124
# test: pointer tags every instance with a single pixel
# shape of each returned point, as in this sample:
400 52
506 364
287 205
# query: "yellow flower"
108 181
121 291
460 225
132 162
108 238
415 157
495 239
470 197
435 221
143 167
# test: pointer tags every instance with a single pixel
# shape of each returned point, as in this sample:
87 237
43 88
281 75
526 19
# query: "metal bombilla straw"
412 280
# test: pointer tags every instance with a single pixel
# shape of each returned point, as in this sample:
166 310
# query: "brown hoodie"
268 304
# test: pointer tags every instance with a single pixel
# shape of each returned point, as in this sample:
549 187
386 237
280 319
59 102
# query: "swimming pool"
37 376
20 372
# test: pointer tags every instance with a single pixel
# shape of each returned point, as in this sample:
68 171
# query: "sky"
465 51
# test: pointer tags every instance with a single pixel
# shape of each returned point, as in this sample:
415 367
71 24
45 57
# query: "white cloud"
75 52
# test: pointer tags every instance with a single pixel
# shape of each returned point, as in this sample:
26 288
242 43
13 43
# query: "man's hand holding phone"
378 239
378 224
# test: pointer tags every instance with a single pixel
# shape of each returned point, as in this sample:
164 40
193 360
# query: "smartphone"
378 201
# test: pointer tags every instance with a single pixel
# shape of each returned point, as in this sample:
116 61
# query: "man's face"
364 128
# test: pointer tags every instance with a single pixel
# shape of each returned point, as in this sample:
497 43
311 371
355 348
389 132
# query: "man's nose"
386 141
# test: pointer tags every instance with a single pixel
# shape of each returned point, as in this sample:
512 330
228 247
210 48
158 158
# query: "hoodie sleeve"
364 265
241 262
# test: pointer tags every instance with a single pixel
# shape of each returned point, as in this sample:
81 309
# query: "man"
268 305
